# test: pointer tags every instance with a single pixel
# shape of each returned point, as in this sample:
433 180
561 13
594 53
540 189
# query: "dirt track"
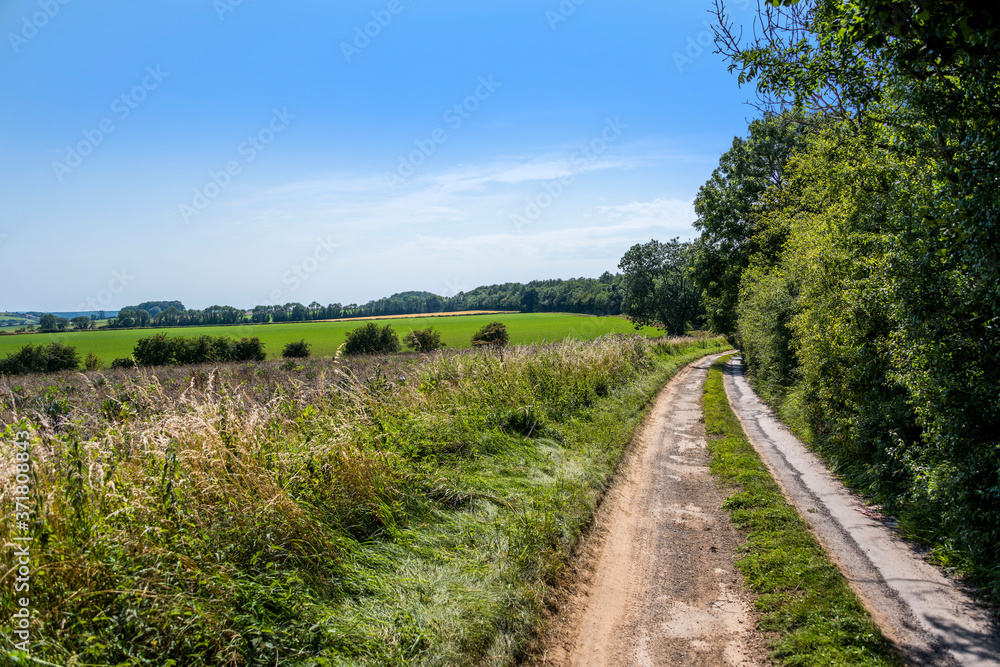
929 617
655 582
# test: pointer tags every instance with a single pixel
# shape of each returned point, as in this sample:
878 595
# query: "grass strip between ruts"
814 616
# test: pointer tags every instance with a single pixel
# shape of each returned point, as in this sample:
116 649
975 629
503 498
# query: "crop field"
326 337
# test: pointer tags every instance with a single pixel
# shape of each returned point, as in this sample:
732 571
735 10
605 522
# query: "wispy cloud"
613 228
668 213
455 212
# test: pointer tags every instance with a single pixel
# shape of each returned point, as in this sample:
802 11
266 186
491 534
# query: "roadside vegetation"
850 247
366 510
816 617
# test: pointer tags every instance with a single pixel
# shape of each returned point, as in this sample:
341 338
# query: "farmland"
11 321
326 337
369 511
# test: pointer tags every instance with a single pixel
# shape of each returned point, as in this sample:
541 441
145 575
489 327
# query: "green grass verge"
803 596
362 519
326 337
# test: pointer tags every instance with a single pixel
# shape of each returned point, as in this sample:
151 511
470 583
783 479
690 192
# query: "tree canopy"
867 278
659 287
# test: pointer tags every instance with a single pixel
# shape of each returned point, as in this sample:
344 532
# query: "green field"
11 321
326 337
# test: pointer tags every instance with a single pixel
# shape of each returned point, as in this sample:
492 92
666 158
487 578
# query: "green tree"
659 287
92 362
493 335
529 301
40 359
47 322
894 246
82 322
730 206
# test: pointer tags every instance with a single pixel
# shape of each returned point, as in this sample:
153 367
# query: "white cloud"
671 214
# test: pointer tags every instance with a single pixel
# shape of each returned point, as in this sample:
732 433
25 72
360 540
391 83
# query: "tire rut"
929 617
655 581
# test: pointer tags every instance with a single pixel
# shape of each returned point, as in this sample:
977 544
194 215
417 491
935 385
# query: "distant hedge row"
40 359
158 350
161 350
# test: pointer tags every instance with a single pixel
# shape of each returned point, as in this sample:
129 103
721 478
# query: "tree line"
850 246
590 296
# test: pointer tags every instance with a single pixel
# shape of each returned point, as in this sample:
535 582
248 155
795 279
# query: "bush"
153 351
423 340
40 359
123 362
493 334
92 362
248 349
295 350
372 339
159 350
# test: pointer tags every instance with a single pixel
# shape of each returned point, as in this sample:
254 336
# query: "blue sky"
247 152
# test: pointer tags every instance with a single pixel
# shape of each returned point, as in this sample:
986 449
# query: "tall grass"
372 512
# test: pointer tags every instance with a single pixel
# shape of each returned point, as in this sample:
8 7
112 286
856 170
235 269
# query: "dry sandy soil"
654 581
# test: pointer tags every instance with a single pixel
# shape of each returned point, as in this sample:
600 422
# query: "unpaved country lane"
930 618
656 584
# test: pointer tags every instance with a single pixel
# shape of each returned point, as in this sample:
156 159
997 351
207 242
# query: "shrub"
423 340
153 351
493 334
40 359
295 350
372 339
248 349
92 362
160 350
123 362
